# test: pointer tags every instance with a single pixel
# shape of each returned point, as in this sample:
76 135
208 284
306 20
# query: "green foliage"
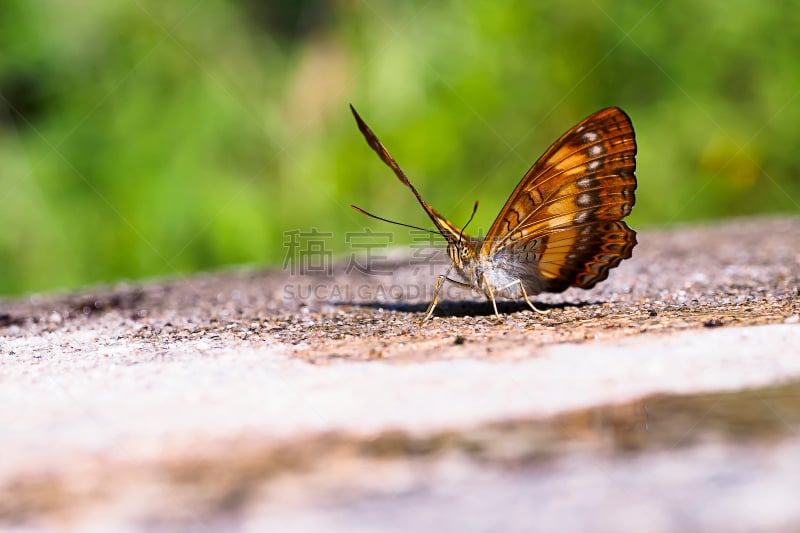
145 138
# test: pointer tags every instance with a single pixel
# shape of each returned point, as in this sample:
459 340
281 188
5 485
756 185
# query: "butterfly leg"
435 300
439 281
527 300
490 292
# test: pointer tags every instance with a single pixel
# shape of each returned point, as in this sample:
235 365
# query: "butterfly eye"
465 253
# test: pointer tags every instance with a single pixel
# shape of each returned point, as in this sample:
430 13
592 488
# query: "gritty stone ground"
253 400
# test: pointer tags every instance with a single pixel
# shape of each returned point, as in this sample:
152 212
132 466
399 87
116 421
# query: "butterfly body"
562 225
502 271
499 272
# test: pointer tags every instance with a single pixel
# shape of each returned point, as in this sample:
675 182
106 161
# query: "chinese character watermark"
308 252
427 248
370 241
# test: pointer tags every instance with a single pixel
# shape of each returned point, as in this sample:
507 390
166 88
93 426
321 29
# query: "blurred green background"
142 138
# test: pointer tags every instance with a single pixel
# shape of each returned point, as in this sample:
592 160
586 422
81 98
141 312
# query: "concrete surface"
225 402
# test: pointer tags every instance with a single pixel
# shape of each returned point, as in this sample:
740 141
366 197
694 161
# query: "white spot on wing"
583 199
596 150
582 216
589 136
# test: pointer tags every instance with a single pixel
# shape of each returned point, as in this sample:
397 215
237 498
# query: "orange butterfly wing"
562 224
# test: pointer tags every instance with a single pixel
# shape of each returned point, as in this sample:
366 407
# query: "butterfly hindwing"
583 255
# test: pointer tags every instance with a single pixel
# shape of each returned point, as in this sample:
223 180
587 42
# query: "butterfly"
562 225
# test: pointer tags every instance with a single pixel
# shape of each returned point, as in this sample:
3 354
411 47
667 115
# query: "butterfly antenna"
474 209
392 221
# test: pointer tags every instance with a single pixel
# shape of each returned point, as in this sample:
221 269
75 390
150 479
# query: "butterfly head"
461 253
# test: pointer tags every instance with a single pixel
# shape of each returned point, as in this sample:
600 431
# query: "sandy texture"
265 399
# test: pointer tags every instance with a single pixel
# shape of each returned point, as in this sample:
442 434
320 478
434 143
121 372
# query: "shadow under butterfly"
562 225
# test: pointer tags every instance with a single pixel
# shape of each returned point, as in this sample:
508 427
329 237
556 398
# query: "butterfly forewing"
562 224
